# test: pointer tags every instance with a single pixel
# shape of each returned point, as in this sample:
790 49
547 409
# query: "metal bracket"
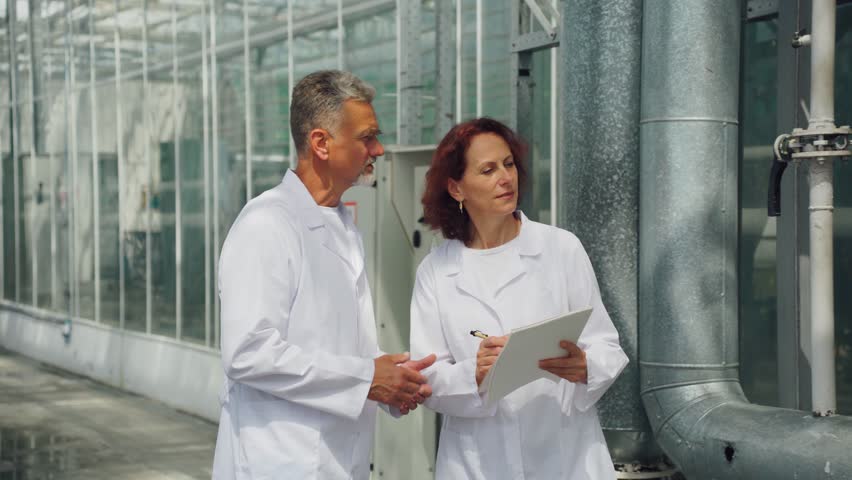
809 144
761 8
531 42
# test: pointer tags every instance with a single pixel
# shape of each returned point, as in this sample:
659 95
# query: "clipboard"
517 364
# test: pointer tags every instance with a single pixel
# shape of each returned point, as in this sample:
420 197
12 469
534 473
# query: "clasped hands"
397 381
571 367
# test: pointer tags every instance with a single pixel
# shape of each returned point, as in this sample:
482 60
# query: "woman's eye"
487 171
510 164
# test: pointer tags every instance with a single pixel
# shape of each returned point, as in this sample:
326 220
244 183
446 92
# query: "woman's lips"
507 195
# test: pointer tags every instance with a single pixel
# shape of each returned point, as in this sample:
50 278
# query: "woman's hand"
571 367
489 349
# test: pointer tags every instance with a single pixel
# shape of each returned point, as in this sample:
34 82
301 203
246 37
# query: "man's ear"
454 190
318 140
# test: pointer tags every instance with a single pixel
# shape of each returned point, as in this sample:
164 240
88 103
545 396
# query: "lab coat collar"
306 206
309 212
529 243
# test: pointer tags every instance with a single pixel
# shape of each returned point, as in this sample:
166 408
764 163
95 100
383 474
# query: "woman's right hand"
489 349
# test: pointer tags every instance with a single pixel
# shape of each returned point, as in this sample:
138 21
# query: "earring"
461 207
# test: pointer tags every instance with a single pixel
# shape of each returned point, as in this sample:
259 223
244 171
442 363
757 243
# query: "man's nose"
378 150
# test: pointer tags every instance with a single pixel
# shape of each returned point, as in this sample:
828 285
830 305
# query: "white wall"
180 375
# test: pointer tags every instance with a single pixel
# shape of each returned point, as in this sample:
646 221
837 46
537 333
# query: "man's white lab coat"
544 430
298 343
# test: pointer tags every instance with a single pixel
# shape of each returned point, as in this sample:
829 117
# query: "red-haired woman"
497 271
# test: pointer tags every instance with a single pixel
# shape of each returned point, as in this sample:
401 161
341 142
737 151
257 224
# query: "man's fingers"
425 391
418 365
413 376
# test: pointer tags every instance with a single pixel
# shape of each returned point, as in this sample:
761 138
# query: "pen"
478 334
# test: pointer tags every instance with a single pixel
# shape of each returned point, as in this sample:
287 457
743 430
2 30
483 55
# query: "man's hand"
425 390
395 385
489 350
571 367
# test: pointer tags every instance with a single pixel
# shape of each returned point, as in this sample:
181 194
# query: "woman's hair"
440 210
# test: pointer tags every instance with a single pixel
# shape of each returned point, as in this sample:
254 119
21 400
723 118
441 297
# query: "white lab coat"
544 430
298 343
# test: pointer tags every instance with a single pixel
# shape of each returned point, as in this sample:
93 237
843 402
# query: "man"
303 370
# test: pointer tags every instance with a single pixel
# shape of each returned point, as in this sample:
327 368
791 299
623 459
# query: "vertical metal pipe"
599 193
554 132
93 102
119 148
820 178
33 153
479 24
291 78
399 15
54 281
248 100
146 140
215 125
12 19
71 112
178 120
444 88
205 99
408 67
458 60
341 35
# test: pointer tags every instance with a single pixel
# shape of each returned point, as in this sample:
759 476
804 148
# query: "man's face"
354 147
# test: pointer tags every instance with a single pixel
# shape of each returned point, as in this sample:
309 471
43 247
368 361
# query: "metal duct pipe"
687 263
598 189
820 183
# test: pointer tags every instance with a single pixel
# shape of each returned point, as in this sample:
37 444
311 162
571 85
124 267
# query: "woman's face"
489 185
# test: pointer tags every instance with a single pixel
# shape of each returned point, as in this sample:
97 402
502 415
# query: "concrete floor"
54 425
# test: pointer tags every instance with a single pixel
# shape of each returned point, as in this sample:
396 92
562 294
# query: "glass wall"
142 127
843 216
757 266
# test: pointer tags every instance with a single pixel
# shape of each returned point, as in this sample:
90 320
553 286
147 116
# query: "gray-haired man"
303 372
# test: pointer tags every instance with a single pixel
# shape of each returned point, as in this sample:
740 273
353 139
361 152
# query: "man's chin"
365 180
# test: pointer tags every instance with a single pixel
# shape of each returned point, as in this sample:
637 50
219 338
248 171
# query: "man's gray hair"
318 102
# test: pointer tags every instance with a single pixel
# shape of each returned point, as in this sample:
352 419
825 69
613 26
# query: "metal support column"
178 120
12 19
444 108
93 103
410 82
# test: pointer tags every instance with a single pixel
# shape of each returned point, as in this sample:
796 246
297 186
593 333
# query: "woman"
497 271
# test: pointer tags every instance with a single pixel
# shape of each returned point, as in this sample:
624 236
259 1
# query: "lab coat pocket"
337 452
272 447
458 454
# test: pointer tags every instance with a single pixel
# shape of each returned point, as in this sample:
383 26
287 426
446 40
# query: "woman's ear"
318 140
454 189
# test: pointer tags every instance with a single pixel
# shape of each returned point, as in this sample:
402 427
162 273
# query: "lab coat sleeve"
604 357
454 388
258 281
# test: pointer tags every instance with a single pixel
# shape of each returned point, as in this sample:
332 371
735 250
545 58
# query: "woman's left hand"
571 367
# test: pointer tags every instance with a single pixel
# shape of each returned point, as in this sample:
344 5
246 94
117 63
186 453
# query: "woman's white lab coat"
298 342
544 430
